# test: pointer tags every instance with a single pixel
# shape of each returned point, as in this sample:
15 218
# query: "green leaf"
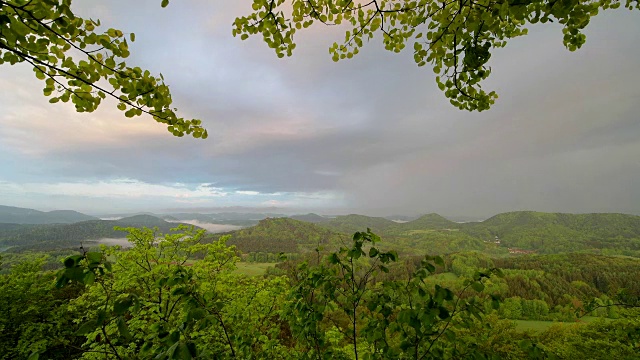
477 286
171 353
122 328
75 273
40 75
438 260
61 281
94 257
72 261
373 252
184 353
443 313
87 327
121 306
89 278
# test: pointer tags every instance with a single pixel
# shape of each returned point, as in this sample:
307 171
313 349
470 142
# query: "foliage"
48 35
33 315
558 279
377 319
454 37
599 340
177 296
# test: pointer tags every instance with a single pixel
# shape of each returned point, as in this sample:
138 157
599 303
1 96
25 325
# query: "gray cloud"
562 137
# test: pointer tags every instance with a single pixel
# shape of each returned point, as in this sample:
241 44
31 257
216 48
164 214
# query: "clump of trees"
175 296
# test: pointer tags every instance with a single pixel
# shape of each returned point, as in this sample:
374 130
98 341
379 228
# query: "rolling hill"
311 217
21 237
430 221
275 235
17 215
560 232
349 224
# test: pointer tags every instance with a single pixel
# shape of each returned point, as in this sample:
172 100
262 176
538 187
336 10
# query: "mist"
210 227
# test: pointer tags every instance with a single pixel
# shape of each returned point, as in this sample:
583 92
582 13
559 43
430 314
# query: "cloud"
372 134
117 188
107 195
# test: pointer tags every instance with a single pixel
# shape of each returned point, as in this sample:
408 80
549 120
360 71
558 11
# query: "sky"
370 135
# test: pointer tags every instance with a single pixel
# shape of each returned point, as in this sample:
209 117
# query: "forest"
327 295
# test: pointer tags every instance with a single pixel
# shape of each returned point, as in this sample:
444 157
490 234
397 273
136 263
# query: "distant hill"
22 237
311 217
276 235
170 218
401 218
429 221
545 233
189 216
226 218
524 230
239 216
144 220
560 232
351 223
603 224
17 215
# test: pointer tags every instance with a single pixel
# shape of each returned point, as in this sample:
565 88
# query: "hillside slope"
560 232
349 224
275 235
17 215
20 237
311 217
429 221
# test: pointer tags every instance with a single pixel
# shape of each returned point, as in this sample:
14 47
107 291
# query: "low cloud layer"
371 135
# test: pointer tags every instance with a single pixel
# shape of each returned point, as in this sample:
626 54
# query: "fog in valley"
212 228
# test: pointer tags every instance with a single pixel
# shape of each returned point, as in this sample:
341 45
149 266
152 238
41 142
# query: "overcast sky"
371 135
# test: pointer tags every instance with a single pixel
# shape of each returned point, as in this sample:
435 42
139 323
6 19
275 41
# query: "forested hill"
17 215
311 217
560 232
429 222
20 237
603 225
523 230
351 223
275 235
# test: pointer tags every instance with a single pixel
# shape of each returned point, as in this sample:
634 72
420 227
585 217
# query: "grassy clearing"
252 269
539 325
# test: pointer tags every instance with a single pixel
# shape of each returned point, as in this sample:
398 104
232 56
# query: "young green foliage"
455 37
48 35
344 298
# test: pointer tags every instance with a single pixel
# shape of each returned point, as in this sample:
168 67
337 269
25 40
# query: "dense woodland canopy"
178 296
330 295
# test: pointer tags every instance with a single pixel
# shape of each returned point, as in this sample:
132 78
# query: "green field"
539 325
252 269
